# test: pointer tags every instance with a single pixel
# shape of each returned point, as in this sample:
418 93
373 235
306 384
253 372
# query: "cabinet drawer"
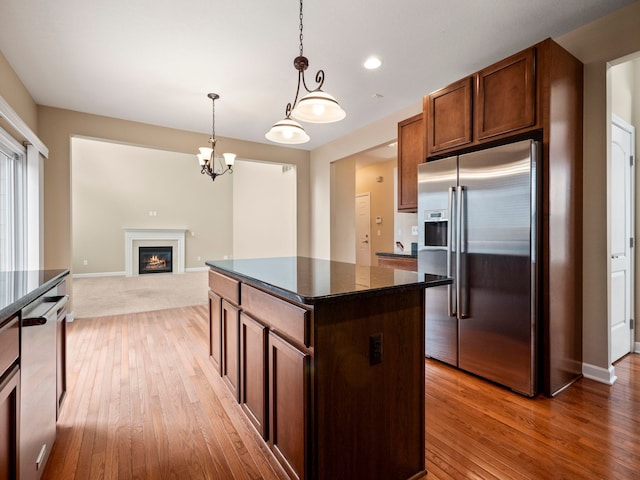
282 317
9 343
226 287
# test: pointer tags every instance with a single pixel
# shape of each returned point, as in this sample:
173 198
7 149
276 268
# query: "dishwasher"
38 390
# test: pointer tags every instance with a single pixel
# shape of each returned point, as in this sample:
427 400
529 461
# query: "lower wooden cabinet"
288 405
215 330
9 423
230 317
253 372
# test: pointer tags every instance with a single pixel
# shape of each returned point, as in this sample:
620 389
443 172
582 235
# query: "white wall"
264 210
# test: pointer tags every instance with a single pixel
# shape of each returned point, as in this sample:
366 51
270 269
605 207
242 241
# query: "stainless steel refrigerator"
477 222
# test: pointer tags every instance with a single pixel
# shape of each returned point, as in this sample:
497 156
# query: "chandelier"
207 155
315 107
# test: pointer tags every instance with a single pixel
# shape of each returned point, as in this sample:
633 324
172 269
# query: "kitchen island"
326 359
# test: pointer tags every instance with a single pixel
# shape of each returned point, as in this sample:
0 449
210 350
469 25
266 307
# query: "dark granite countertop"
310 280
399 255
18 289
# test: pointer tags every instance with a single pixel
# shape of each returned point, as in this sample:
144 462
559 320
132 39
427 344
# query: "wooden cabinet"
410 155
253 372
536 93
288 406
230 321
496 102
9 423
447 115
506 96
215 330
308 384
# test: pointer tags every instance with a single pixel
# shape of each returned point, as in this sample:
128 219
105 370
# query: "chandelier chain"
213 139
300 27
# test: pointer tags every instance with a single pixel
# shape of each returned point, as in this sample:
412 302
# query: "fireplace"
155 260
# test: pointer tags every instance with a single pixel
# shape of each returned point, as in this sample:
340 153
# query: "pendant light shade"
287 131
229 159
318 107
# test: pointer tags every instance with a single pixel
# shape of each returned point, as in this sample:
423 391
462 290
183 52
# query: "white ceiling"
154 61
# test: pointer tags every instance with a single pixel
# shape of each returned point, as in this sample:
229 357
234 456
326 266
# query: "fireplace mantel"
134 237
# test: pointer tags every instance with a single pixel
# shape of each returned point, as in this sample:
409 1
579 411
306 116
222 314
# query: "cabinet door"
230 351
448 116
215 330
506 96
411 134
288 406
9 418
253 372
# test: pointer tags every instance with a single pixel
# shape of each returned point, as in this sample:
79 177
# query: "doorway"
624 105
621 186
363 229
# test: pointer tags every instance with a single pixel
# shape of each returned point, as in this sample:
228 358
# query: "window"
12 204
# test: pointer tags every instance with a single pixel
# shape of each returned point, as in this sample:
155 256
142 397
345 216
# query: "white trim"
599 374
169 234
71 317
636 348
22 128
196 269
98 274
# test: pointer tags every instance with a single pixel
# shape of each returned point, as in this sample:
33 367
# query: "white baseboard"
599 374
98 274
122 274
636 348
70 317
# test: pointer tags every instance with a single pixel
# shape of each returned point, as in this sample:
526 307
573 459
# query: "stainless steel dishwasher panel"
38 392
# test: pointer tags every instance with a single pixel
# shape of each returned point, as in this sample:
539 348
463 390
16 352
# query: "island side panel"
370 418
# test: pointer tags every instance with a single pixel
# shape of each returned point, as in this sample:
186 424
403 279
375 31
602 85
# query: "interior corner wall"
608 38
264 210
57 126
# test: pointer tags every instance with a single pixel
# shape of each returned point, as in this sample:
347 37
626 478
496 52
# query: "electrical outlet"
375 349
414 230
85 262
199 258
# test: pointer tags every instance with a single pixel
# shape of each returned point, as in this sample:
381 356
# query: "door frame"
615 120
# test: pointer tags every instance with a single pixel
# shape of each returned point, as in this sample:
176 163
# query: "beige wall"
343 211
115 186
16 95
381 204
264 210
605 40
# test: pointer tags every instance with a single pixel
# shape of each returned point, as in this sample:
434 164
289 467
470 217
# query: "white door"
363 229
621 194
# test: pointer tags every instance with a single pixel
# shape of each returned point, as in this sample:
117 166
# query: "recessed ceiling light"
372 63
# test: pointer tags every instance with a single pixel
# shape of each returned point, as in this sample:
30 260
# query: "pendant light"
207 155
316 106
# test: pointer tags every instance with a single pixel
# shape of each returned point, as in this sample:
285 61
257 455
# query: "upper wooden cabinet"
506 96
410 155
448 116
498 101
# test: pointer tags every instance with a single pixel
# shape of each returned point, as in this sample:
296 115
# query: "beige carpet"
100 296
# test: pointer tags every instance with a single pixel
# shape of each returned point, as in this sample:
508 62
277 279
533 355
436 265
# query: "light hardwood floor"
144 402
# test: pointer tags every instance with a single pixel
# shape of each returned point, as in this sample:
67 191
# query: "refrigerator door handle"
461 260
451 236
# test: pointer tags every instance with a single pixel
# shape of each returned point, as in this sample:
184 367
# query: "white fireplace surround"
143 237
